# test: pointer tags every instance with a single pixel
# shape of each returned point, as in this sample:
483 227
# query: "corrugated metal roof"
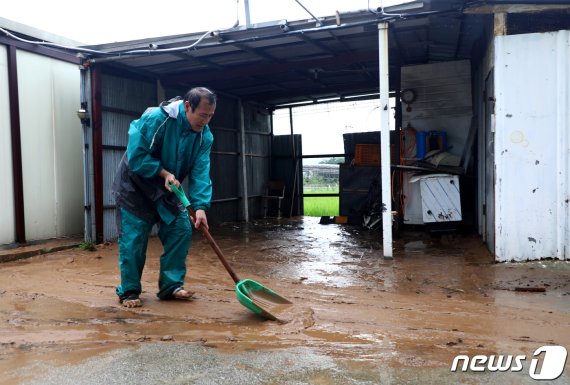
267 65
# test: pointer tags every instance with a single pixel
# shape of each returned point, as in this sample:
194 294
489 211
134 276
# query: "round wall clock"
408 95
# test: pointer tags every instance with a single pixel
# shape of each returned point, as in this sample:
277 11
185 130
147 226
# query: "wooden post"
500 24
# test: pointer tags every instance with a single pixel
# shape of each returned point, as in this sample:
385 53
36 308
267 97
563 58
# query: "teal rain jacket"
162 139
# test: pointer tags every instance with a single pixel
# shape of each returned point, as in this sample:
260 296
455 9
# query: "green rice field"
321 206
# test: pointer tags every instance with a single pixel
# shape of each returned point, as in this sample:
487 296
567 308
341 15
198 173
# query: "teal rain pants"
133 240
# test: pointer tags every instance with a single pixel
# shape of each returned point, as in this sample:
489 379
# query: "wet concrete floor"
357 318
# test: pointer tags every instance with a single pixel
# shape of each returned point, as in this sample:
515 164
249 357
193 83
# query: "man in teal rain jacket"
166 144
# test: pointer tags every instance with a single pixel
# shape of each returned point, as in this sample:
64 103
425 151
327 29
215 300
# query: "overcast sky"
107 21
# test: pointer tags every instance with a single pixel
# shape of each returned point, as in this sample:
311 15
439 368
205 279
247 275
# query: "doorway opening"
323 128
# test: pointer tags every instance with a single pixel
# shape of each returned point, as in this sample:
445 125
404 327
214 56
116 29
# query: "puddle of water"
434 300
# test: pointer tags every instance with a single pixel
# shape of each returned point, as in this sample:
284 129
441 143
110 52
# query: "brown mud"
438 297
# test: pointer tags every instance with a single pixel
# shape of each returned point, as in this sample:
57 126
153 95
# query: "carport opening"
328 134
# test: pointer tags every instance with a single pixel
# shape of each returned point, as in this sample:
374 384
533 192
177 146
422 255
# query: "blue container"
429 141
421 144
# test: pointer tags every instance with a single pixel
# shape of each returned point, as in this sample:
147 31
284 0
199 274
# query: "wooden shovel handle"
179 191
214 245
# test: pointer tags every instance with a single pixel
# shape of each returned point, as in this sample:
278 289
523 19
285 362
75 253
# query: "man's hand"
200 219
169 179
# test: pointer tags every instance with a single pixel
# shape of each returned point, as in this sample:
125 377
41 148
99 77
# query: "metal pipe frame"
17 173
97 140
385 139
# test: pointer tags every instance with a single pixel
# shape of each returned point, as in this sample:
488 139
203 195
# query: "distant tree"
333 160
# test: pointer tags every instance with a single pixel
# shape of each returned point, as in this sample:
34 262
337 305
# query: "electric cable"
116 55
48 44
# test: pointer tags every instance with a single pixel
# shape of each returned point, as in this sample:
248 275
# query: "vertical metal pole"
247 17
398 185
243 163
97 132
17 173
271 137
291 128
294 164
385 139
86 185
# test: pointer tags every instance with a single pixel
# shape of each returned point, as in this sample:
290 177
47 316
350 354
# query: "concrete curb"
14 255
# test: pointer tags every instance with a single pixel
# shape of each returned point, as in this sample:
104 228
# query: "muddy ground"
357 318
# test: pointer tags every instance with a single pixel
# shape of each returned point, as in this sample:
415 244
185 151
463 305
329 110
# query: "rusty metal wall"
285 168
258 138
224 162
224 158
124 99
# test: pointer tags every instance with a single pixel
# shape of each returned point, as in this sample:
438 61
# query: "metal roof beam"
347 50
518 8
309 92
253 51
460 36
317 44
184 58
271 69
41 50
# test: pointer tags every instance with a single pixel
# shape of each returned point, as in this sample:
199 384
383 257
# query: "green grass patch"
321 206
87 246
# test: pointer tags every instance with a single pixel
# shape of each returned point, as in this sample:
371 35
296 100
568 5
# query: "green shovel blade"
250 294
261 300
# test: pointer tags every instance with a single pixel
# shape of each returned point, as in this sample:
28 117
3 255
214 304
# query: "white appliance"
440 199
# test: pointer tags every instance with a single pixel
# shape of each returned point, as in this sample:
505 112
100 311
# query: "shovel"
251 294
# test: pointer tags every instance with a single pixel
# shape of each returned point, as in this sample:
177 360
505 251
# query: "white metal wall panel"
7 230
51 146
532 194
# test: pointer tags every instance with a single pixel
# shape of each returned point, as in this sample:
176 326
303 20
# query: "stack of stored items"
366 155
427 141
